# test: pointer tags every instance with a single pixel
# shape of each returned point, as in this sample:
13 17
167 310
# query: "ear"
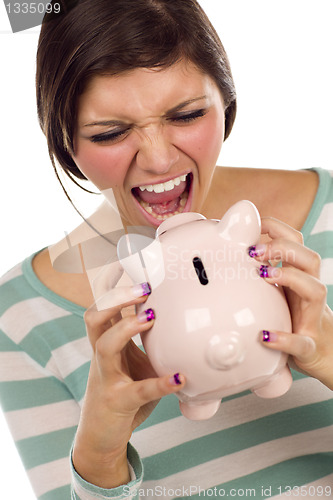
142 258
241 224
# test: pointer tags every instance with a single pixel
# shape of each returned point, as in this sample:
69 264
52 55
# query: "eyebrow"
186 103
105 123
113 123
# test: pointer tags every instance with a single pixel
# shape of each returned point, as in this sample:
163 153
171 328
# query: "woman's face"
154 137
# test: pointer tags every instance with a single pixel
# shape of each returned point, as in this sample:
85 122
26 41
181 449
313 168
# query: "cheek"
104 166
204 142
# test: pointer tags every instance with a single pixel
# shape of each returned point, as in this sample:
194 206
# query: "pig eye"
200 270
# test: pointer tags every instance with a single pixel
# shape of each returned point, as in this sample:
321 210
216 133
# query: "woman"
137 96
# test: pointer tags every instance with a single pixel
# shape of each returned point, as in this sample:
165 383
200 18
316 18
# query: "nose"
156 152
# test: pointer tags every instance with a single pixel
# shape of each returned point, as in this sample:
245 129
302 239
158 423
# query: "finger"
302 347
305 286
155 388
288 252
114 339
121 296
97 321
278 229
104 279
117 317
139 365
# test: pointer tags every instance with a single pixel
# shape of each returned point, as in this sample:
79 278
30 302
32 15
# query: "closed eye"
109 136
188 117
181 118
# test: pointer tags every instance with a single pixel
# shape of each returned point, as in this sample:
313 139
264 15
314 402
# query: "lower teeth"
182 203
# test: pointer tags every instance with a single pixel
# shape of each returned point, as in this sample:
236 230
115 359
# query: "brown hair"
94 37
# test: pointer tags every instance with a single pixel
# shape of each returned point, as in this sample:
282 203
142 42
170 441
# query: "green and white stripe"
251 443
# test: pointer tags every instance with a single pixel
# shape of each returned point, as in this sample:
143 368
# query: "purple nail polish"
141 290
269 336
146 289
150 314
146 315
265 335
263 272
269 272
252 251
175 380
256 250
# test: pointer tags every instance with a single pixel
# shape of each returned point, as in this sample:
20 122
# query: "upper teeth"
164 186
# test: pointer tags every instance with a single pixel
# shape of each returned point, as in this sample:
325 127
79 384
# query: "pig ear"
142 258
241 224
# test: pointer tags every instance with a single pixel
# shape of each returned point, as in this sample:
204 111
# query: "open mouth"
158 202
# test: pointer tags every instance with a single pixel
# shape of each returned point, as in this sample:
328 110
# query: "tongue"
164 208
165 197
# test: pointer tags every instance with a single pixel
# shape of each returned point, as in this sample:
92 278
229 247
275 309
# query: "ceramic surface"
210 305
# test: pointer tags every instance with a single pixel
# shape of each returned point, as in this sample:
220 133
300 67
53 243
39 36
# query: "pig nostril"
200 270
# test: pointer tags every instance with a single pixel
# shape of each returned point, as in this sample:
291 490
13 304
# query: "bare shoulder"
73 287
283 194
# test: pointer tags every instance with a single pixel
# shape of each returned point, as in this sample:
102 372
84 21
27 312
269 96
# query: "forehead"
144 90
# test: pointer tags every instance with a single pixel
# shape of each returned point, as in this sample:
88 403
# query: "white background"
281 57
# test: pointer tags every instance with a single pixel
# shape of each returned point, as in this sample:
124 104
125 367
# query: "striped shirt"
251 447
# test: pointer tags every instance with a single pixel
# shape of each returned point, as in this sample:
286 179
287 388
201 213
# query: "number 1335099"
306 491
32 8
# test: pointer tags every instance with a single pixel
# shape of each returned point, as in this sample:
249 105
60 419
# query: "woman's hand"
311 341
122 390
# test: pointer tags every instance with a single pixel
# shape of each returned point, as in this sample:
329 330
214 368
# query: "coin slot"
200 270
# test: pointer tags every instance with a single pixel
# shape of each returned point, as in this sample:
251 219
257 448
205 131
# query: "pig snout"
225 350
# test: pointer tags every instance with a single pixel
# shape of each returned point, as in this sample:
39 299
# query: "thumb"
104 279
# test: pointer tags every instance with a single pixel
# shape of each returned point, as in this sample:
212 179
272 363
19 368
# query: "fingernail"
146 315
269 272
175 380
269 336
141 290
256 250
263 272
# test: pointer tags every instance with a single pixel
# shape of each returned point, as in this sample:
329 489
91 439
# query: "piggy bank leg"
278 385
200 410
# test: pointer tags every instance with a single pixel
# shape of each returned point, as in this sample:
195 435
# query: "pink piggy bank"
210 305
